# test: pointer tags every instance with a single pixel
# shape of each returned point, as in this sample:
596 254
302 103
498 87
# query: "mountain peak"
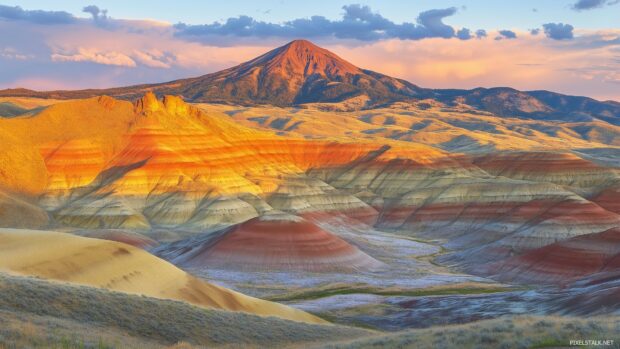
295 73
302 43
301 58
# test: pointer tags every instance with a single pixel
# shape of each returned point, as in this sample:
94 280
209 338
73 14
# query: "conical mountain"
298 72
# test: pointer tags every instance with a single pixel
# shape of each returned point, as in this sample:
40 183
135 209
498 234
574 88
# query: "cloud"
525 64
94 56
481 33
11 53
17 13
358 23
130 58
581 5
99 15
432 20
506 34
558 31
464 34
154 58
535 31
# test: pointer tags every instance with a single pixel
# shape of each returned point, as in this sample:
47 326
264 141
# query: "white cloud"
154 58
11 53
92 55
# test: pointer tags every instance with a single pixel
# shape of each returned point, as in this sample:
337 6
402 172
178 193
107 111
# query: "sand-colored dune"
120 267
125 236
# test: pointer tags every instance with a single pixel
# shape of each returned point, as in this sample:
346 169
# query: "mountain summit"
298 72
301 58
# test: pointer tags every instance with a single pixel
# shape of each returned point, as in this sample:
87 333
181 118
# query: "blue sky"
472 13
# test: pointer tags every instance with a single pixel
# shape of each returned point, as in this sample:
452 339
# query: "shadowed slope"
18 213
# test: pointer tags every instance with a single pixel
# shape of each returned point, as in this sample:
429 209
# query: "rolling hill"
120 267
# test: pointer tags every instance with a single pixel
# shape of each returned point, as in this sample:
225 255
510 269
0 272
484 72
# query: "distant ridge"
302 72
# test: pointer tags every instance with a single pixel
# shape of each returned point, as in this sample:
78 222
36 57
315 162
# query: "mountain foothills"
298 177
301 72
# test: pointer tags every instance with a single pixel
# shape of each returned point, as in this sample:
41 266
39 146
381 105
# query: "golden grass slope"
124 268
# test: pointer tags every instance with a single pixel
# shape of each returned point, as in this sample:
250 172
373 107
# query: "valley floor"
409 291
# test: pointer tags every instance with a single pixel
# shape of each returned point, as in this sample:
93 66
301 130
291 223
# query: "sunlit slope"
106 163
37 157
124 268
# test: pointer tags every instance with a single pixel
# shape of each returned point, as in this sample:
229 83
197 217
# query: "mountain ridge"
301 72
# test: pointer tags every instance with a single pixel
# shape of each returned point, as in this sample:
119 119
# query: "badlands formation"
374 209
203 191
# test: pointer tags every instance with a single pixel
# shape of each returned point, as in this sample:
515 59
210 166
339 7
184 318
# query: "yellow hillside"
120 267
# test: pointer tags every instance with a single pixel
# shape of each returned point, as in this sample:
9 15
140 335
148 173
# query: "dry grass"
504 333
41 314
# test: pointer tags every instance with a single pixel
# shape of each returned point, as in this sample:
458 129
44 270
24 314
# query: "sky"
568 46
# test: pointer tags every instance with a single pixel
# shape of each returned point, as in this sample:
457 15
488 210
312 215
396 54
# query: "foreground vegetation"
520 332
41 314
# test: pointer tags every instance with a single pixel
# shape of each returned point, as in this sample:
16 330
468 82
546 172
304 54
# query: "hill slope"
35 313
121 267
